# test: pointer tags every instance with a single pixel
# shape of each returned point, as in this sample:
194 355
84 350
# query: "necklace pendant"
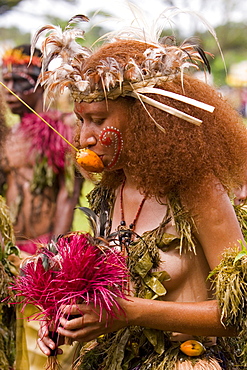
122 223
125 236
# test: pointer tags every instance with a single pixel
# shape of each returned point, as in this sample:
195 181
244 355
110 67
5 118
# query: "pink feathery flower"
71 271
46 142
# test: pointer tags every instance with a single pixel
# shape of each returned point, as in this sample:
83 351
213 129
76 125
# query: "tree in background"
231 34
6 5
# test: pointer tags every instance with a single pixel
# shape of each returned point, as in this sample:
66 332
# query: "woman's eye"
98 121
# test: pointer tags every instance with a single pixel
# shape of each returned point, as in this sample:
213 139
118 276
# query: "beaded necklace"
126 234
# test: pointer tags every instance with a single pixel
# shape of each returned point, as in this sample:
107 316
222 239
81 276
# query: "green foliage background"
232 36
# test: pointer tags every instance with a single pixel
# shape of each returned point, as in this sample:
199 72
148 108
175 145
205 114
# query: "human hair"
186 153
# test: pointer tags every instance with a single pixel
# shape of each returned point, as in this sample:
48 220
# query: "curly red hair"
184 155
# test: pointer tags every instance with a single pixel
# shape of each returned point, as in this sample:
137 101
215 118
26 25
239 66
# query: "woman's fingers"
75 309
46 343
85 322
47 346
81 335
72 324
81 328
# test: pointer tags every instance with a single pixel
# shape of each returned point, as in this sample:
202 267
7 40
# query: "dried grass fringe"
230 283
210 364
6 228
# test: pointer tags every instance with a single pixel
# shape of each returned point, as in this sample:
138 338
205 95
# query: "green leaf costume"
139 348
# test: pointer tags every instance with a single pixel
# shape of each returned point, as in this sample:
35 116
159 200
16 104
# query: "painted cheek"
112 137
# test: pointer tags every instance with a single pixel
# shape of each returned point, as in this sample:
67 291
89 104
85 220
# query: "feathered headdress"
19 65
113 77
18 57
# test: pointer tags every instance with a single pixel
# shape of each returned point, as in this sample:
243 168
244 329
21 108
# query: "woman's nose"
240 195
87 139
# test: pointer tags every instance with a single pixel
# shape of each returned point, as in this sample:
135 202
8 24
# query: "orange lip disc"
89 160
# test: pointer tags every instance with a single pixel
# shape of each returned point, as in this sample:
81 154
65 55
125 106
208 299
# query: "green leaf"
154 283
144 265
10 248
156 338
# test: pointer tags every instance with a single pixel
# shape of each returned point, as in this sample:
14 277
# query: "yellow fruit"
192 348
89 160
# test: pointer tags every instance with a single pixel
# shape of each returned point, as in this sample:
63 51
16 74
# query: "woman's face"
102 129
23 85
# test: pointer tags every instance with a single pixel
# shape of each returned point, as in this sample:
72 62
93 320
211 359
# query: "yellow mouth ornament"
89 161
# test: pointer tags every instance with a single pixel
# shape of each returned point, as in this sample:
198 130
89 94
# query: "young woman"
171 150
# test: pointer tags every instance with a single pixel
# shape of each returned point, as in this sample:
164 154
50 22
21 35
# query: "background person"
9 267
42 186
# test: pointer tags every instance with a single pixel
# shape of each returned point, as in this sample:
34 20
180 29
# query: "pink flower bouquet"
72 270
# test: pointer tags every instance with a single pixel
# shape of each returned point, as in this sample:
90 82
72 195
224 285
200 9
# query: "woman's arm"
194 318
216 224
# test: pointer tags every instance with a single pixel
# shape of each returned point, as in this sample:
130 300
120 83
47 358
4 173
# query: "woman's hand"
46 344
88 324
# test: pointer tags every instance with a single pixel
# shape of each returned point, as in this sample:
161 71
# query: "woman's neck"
131 206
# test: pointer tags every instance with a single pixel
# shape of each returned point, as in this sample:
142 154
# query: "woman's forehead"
101 107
